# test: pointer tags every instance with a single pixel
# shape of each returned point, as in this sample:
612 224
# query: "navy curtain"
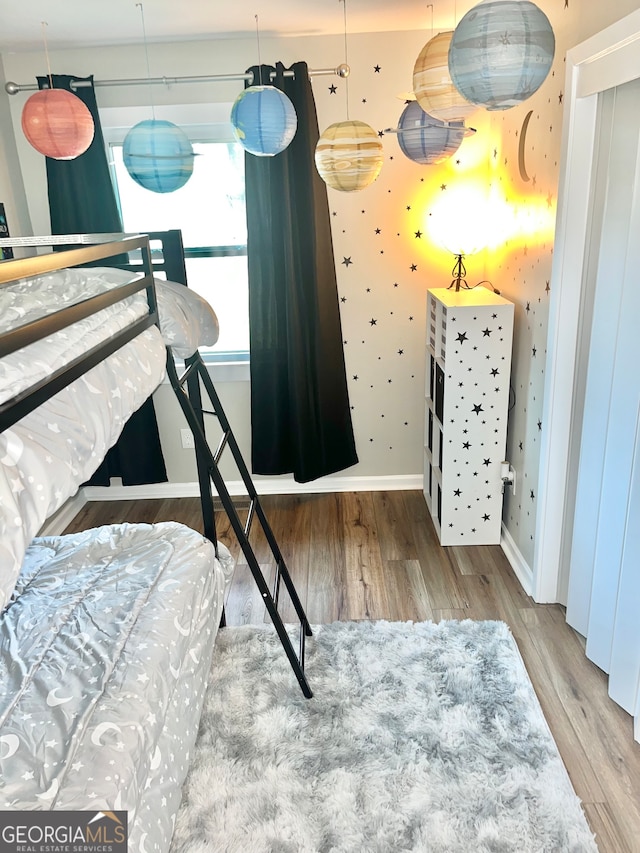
82 200
300 414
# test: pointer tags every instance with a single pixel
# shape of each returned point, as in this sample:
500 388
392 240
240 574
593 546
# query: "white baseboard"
516 561
264 486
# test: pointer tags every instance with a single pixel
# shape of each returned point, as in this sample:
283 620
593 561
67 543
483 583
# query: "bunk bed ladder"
190 399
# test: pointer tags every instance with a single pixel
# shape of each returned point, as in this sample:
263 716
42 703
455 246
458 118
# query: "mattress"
186 320
47 455
105 648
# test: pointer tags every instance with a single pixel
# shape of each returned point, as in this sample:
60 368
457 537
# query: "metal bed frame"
187 385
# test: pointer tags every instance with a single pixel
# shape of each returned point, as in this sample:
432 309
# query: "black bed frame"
187 385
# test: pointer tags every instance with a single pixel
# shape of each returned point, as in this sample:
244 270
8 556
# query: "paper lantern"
57 124
264 120
158 155
501 53
432 84
425 139
349 156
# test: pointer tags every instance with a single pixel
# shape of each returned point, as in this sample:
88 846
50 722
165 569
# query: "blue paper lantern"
501 53
425 139
158 155
264 120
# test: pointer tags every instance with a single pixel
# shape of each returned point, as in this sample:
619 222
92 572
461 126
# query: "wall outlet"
508 477
186 437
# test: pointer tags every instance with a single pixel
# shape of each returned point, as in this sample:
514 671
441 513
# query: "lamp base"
459 272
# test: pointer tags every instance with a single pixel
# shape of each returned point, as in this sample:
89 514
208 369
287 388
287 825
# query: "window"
210 211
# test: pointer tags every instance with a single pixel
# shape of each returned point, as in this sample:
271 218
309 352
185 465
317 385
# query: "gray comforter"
105 647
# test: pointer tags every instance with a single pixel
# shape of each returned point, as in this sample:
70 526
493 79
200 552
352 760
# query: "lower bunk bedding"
105 648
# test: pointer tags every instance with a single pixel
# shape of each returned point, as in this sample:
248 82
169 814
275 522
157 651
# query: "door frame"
609 58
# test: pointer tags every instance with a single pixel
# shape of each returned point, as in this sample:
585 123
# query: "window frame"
228 366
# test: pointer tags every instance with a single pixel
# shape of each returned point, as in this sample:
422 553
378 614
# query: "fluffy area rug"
420 737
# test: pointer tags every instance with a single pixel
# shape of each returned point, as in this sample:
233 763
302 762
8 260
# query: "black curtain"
300 414
82 200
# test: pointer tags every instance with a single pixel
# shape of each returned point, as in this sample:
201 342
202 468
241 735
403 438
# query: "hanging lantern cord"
259 59
346 60
146 52
46 52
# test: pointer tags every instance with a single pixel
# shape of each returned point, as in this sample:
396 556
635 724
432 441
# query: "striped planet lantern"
425 139
264 120
349 156
158 155
432 84
57 124
501 53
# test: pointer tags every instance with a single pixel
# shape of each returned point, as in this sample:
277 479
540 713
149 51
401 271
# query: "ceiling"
103 22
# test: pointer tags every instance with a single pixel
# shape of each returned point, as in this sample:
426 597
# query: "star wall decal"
373 322
347 261
376 68
333 89
486 332
414 267
478 408
462 336
418 234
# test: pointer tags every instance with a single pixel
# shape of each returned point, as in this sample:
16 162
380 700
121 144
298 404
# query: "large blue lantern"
158 155
264 120
425 139
501 53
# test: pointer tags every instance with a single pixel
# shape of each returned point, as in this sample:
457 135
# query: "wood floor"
374 555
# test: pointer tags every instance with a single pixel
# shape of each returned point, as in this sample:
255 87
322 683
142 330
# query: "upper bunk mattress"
105 648
186 320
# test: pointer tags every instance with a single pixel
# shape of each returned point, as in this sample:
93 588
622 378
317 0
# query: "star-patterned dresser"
469 339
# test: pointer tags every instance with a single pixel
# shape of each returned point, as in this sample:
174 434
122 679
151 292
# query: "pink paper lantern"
57 124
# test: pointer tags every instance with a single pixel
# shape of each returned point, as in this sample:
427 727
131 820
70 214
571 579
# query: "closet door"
603 601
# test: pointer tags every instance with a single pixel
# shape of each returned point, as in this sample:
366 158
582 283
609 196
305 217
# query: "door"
603 595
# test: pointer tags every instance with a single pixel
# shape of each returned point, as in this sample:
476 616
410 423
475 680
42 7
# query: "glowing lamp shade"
427 140
264 120
158 155
460 220
501 53
349 156
57 124
432 84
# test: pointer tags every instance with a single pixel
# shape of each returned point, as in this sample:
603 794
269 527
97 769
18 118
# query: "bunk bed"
106 636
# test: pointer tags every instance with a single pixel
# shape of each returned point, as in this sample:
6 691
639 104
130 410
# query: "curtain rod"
13 88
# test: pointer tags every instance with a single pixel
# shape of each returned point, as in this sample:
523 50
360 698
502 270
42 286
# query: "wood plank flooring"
375 555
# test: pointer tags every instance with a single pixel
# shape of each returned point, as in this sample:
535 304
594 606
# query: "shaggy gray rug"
421 737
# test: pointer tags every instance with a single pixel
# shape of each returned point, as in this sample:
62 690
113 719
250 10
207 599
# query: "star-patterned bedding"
47 455
105 647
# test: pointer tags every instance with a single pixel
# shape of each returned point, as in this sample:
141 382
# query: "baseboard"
264 486
54 525
516 561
